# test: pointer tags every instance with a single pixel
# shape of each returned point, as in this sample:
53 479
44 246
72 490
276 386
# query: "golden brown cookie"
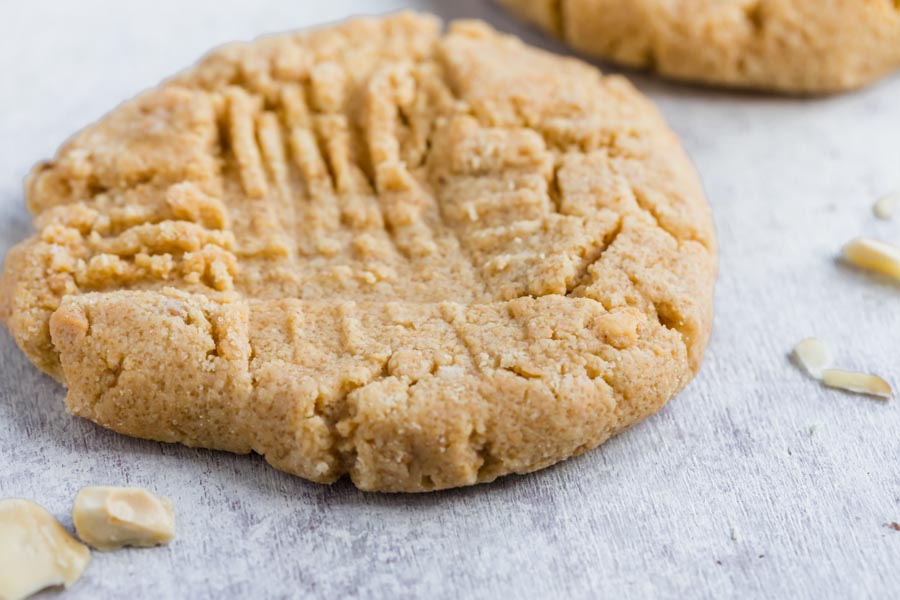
423 259
794 46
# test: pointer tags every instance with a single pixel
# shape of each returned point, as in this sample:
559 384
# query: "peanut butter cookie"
794 46
422 259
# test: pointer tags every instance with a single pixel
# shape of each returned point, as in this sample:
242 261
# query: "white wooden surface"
726 493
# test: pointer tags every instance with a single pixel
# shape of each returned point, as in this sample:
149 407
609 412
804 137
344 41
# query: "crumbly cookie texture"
794 46
422 259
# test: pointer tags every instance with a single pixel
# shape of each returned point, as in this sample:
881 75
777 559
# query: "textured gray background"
726 493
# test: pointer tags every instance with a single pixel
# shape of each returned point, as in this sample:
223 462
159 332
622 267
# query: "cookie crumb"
860 383
892 525
886 206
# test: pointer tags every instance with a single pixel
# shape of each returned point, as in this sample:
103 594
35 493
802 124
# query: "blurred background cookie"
793 46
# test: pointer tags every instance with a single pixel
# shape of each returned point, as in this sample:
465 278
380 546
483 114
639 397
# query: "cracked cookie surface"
793 46
422 259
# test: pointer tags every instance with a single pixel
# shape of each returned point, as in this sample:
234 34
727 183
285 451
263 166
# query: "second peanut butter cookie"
794 46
